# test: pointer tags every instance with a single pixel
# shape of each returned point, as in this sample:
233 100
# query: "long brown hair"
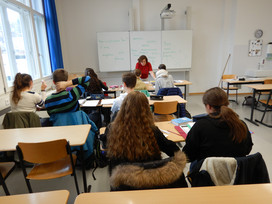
21 81
131 135
218 100
94 86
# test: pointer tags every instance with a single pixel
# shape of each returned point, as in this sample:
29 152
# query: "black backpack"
249 100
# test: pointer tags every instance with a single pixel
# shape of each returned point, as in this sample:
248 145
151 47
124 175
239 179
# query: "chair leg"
2 182
75 178
28 185
237 96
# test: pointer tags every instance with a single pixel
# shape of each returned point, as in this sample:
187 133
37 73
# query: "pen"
173 132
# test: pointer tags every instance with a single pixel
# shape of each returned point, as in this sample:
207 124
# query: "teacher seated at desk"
145 68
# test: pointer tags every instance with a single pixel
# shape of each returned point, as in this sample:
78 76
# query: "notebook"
179 121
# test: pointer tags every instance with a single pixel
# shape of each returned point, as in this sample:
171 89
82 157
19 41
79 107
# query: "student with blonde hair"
140 85
221 133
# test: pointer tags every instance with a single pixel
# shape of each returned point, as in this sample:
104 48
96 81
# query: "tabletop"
260 86
249 194
75 134
60 197
182 82
165 127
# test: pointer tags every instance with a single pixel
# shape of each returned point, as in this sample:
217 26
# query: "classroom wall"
220 28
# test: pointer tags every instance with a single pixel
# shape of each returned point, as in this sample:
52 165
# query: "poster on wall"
255 48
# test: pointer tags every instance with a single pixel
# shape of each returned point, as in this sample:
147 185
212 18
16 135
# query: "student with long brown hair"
22 98
221 133
134 138
133 135
96 86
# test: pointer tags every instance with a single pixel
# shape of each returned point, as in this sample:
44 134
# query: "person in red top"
145 67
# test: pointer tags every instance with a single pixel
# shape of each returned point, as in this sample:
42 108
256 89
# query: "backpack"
249 100
100 155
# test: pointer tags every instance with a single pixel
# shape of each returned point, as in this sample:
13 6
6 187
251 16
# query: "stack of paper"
90 103
107 101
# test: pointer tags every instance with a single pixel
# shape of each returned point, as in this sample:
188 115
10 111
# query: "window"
23 40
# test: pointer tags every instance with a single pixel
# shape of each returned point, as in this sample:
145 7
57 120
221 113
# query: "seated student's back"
140 85
22 98
220 134
65 101
163 79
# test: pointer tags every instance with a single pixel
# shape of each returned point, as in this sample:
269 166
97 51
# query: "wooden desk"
249 194
258 88
168 99
184 83
60 197
163 126
165 99
237 82
76 135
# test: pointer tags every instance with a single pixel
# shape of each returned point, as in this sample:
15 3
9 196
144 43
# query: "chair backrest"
174 91
165 108
229 76
268 81
21 120
43 152
170 91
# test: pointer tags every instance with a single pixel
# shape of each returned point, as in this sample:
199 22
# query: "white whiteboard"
113 51
119 51
145 43
177 48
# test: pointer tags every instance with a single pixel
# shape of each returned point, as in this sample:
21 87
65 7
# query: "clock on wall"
258 33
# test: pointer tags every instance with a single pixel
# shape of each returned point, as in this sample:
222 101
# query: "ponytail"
237 127
20 82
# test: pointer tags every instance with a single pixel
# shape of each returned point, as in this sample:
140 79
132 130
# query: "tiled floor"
262 139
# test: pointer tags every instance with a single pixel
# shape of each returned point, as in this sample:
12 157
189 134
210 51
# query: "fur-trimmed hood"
139 177
162 73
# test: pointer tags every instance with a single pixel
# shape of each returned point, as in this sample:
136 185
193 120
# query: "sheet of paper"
107 101
81 101
90 103
178 81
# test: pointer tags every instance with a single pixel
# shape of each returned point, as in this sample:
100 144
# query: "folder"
181 132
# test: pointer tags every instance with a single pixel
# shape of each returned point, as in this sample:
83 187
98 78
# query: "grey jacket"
163 80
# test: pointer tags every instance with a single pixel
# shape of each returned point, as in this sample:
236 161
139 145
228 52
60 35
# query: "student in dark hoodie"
163 79
221 133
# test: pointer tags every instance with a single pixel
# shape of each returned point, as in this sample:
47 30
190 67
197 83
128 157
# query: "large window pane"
42 45
37 5
4 51
25 2
23 43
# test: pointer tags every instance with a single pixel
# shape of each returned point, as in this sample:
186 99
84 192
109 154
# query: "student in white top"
129 82
22 98
163 79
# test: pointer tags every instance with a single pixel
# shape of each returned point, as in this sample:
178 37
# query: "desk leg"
228 90
266 106
83 169
185 92
252 110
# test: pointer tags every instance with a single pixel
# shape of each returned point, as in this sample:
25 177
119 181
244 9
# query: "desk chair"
5 170
21 119
165 109
51 159
232 88
213 171
175 91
